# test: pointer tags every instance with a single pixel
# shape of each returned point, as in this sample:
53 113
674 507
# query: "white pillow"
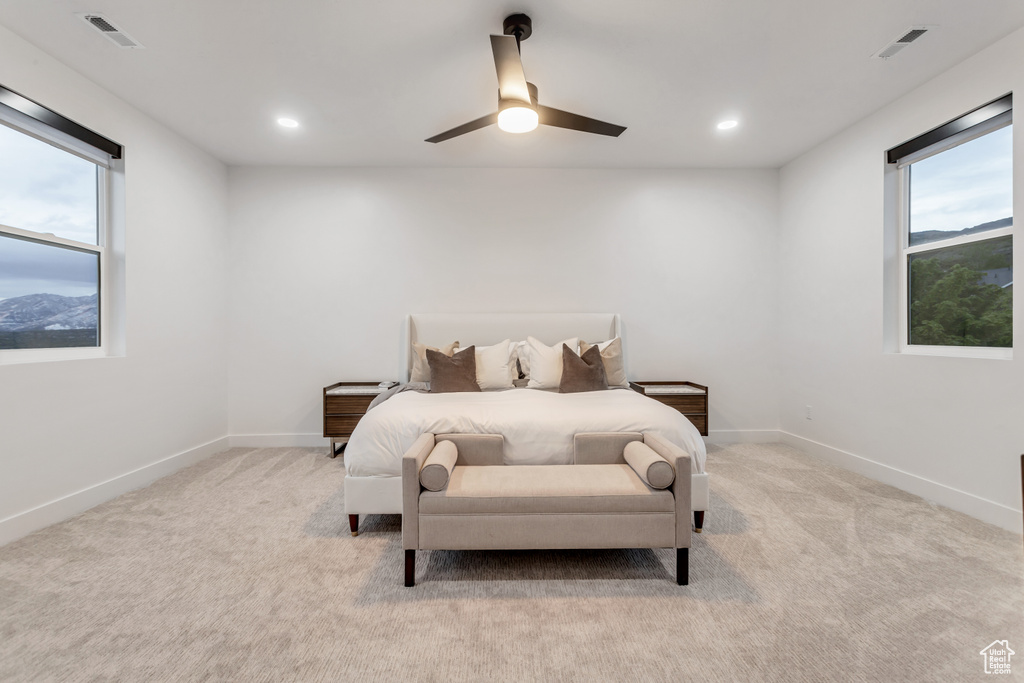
522 351
546 362
495 366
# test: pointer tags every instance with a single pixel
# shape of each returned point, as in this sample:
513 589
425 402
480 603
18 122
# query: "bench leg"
682 566
698 521
353 524
410 568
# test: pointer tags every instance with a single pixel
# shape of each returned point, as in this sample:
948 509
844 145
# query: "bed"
538 425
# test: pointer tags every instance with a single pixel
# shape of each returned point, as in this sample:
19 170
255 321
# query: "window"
54 229
956 234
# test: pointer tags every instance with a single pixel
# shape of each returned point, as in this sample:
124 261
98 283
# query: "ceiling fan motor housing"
506 103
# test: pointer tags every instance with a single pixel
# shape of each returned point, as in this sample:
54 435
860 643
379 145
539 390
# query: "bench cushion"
544 489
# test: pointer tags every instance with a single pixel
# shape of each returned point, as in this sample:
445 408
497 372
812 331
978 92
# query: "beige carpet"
242 568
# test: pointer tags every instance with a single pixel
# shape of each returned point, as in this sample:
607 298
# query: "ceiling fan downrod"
518 25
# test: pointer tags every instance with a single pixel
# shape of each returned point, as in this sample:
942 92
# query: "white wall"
326 263
949 429
74 433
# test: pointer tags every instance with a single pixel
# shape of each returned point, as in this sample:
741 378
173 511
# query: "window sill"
983 352
19 356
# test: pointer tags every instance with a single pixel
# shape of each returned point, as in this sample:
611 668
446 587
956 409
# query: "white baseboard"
24 523
278 441
719 437
961 501
724 437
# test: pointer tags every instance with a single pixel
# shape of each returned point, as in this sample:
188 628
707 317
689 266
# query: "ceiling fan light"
518 119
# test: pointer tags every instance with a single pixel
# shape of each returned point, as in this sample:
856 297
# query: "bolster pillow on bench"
437 468
649 466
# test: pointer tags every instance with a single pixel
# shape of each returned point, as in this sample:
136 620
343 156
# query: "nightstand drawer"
347 405
340 425
700 422
684 404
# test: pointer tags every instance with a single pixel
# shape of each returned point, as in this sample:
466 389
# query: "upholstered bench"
625 490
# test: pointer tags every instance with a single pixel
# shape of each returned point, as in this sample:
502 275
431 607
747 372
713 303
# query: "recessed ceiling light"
288 123
726 125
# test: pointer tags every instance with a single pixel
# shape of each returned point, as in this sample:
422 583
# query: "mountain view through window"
49 279
961 292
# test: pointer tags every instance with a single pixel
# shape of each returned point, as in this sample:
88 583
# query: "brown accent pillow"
582 373
612 357
457 373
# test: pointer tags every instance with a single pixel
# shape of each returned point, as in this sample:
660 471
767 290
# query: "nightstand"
344 404
688 398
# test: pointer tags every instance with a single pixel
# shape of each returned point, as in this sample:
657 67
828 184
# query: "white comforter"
538 426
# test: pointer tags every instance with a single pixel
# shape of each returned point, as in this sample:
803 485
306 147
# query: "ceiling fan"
518 110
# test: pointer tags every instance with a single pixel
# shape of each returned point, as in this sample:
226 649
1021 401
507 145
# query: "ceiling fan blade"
563 119
511 79
475 124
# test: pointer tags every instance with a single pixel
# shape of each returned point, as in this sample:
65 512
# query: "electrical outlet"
808 412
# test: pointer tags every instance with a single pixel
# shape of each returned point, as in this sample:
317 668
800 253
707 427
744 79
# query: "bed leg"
410 568
353 524
698 520
683 566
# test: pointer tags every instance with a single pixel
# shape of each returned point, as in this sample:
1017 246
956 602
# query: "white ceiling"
370 80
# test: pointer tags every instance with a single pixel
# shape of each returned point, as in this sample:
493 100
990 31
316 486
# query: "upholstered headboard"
483 329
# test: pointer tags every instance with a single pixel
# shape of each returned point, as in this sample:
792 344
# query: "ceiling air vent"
906 38
112 32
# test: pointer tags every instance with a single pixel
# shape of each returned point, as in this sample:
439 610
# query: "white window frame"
906 251
103 236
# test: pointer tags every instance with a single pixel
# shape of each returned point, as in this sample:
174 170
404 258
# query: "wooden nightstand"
344 404
688 398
